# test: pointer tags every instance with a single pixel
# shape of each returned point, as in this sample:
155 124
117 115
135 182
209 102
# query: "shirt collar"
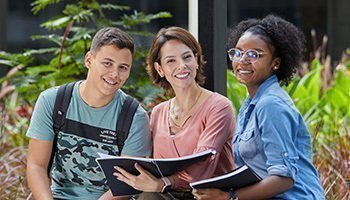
262 88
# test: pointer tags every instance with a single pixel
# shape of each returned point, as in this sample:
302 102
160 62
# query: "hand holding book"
157 167
238 178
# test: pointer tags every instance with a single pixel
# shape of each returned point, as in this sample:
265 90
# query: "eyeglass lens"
250 55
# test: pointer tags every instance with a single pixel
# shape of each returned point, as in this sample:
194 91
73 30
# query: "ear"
276 64
88 57
159 69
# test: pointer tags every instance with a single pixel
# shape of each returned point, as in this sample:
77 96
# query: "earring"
275 68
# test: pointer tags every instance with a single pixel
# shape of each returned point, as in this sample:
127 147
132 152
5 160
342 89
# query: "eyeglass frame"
244 53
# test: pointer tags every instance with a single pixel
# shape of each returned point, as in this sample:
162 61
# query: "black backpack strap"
124 121
62 101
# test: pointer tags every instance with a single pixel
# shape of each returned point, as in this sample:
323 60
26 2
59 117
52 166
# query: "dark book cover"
238 178
158 167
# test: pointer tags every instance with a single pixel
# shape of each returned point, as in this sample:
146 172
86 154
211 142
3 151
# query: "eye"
252 54
107 64
237 53
123 68
170 60
187 57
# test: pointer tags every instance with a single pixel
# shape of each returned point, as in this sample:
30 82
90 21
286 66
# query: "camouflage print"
78 155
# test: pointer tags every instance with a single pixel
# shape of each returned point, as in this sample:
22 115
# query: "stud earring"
275 68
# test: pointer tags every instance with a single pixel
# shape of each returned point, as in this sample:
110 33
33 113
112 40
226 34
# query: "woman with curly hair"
271 136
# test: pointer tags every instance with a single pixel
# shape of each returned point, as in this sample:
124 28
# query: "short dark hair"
285 40
112 36
173 33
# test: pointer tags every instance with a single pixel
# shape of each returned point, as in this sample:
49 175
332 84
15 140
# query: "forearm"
265 189
38 182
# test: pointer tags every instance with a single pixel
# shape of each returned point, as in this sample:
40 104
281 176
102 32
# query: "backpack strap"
62 101
124 121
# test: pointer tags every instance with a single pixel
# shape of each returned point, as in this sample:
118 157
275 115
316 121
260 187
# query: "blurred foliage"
70 39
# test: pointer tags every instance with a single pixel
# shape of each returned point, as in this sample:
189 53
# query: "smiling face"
109 68
253 74
178 64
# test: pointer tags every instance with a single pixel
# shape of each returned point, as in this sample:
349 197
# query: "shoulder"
121 96
47 97
50 93
274 102
218 101
161 107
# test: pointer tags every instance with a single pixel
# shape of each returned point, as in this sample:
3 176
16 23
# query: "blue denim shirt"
272 139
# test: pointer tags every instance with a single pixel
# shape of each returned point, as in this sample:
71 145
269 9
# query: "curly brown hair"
285 40
173 33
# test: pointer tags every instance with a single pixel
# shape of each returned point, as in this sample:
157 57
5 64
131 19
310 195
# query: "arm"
267 188
37 162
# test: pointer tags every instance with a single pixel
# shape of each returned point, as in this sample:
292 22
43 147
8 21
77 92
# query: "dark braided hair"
285 40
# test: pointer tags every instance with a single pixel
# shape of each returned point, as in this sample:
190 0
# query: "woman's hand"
204 194
145 182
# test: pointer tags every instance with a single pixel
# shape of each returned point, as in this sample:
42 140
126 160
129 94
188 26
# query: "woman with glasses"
194 120
271 136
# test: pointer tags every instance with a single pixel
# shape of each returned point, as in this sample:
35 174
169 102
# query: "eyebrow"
111 60
108 59
171 56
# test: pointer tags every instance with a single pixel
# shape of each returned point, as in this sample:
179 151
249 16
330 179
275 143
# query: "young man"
90 125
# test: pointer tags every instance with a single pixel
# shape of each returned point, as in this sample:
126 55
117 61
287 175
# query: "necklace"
176 117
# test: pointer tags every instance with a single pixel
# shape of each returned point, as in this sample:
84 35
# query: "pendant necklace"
176 117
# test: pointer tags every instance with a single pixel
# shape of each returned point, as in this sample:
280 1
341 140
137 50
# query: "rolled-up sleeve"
278 125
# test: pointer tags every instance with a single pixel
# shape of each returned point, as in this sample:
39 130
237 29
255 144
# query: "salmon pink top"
211 126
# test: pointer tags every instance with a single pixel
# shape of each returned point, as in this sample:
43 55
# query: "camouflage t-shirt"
87 131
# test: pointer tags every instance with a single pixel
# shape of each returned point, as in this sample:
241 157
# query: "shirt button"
285 154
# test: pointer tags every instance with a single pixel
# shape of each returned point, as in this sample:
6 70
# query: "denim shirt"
272 139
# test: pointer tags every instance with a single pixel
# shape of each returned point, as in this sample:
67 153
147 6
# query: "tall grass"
13 145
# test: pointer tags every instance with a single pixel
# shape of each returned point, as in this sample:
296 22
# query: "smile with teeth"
182 75
245 71
110 82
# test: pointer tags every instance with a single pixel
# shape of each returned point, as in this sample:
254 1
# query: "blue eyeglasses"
251 55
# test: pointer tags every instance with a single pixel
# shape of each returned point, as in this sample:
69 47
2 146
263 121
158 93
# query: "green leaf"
6 62
32 52
52 37
139 18
56 23
39 5
109 6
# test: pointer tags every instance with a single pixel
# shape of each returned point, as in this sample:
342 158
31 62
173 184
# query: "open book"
158 167
238 178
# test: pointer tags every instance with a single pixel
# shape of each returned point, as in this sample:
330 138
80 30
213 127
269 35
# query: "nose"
243 59
113 73
182 65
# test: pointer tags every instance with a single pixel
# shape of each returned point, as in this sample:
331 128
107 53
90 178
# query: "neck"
184 102
184 99
91 97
